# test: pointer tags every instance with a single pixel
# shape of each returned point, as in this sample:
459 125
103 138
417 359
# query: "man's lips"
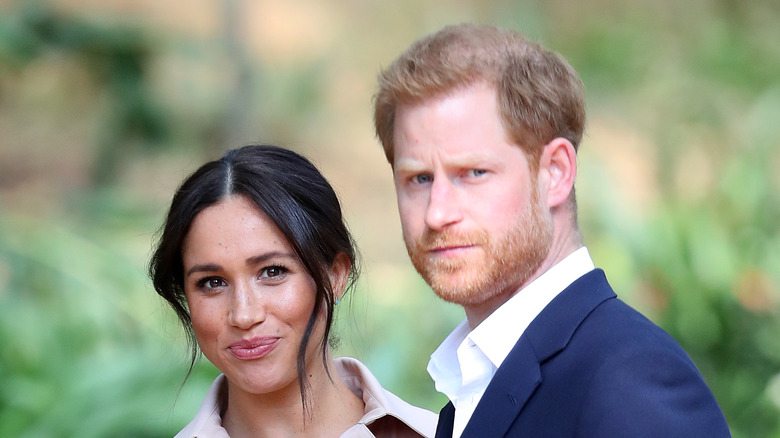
254 348
450 250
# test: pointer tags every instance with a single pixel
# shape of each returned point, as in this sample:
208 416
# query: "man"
481 128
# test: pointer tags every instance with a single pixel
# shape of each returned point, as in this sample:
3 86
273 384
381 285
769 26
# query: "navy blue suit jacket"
591 366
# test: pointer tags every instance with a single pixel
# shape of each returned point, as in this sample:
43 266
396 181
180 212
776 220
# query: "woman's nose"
247 307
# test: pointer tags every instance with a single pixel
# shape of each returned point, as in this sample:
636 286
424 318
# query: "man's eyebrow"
466 160
408 165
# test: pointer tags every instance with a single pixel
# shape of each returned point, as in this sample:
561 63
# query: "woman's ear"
559 163
339 273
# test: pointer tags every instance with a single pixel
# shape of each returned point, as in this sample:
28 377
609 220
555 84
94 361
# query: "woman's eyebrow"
269 255
254 260
203 268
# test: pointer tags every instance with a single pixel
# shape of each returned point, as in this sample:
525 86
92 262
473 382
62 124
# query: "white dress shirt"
467 360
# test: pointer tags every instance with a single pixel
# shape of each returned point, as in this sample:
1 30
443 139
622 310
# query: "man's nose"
443 205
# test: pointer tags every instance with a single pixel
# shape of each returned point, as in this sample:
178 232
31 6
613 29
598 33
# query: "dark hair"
293 194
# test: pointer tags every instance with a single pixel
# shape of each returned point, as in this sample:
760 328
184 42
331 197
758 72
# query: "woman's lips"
255 348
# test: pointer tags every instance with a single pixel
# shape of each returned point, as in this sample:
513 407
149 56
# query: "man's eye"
422 179
478 172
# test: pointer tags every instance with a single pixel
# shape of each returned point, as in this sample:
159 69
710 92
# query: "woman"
253 256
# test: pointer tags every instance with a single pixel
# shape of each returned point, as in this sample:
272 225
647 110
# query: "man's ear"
339 273
558 166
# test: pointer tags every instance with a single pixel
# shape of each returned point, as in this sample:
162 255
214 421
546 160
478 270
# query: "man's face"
474 223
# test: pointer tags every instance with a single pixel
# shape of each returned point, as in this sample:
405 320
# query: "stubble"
493 265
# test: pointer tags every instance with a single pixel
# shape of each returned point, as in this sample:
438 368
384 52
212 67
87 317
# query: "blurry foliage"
86 343
118 58
81 350
715 266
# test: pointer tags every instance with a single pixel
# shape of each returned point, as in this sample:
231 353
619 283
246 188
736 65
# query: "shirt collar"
498 334
444 366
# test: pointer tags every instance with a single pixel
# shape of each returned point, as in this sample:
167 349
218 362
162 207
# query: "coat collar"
379 403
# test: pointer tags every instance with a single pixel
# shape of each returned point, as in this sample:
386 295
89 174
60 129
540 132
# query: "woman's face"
249 296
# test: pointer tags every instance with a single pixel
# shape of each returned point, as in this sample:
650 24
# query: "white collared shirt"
467 360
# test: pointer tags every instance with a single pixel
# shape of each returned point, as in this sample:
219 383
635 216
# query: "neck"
332 410
564 243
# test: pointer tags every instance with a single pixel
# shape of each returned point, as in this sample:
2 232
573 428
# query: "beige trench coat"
385 415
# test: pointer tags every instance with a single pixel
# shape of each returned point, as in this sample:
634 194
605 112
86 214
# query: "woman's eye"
216 282
211 283
273 271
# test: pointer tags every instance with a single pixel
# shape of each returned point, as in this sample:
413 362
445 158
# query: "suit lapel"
506 394
446 421
520 373
552 330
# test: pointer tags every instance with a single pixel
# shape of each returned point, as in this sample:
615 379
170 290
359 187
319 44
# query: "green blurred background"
106 105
